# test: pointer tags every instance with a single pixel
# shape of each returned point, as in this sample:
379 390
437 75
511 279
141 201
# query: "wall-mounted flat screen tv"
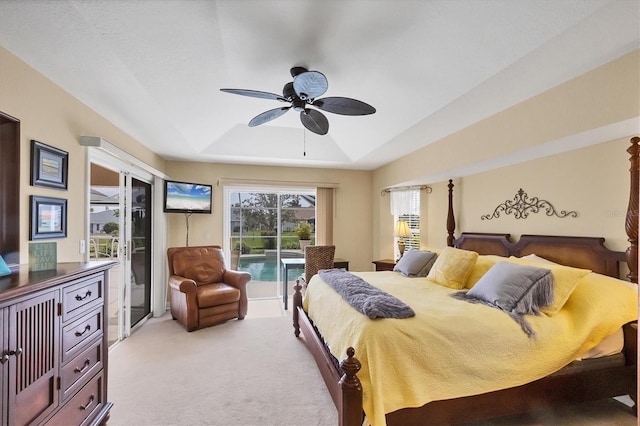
187 197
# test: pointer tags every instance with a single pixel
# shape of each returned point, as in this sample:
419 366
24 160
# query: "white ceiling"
154 67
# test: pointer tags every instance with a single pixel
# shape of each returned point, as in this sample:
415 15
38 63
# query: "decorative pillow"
565 280
515 289
452 267
482 265
427 267
415 263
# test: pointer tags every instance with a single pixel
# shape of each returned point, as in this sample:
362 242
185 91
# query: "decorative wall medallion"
522 205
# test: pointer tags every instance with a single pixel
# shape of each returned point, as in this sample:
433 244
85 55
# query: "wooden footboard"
343 383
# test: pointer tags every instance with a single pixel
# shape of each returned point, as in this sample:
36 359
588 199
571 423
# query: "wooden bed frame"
569 385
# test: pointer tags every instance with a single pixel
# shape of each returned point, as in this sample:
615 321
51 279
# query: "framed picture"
48 218
49 166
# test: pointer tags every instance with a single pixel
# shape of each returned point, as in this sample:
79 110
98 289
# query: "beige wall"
596 186
353 205
593 180
52 116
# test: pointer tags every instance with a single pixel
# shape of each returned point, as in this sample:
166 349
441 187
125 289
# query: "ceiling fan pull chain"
304 141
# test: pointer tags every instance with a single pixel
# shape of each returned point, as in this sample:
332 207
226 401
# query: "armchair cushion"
217 294
199 265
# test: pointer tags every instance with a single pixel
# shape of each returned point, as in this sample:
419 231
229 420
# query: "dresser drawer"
80 369
77 334
83 406
81 296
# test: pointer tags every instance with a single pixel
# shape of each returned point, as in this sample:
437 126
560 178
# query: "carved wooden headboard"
579 252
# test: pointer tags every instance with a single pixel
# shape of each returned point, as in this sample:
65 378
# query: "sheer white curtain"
405 206
405 202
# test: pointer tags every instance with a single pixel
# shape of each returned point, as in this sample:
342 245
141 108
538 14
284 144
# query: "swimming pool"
261 268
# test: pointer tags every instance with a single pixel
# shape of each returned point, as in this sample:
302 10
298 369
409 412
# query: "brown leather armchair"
203 291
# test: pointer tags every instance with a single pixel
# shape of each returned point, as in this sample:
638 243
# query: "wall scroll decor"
49 166
48 218
522 205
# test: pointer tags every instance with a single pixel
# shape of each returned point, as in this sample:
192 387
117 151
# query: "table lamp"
402 231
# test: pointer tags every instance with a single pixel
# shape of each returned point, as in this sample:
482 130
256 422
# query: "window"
405 205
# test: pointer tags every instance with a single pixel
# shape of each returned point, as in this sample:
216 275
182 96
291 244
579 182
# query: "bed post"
350 414
297 301
631 224
451 221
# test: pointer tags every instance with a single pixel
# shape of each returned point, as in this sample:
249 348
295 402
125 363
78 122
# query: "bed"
575 381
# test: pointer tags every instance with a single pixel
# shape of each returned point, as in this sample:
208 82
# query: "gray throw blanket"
362 296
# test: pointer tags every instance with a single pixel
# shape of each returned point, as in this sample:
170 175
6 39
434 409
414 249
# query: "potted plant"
303 231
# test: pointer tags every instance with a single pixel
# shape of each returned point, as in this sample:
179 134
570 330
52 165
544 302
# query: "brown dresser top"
21 281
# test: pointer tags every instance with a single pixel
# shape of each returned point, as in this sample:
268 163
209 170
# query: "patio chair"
316 258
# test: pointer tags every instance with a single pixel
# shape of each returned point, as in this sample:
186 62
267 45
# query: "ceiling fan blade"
287 91
314 121
267 116
254 94
298 70
310 85
344 106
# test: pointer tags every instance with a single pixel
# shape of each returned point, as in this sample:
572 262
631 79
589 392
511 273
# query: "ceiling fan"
302 93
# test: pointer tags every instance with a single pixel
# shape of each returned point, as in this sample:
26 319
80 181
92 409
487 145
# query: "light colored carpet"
251 372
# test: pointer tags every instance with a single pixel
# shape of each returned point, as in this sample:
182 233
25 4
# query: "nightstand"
384 264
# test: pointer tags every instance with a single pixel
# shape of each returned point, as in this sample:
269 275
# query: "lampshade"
402 229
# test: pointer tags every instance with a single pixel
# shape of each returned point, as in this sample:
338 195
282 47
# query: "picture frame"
49 166
48 217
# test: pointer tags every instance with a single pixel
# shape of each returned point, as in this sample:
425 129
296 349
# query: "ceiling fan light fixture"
298 104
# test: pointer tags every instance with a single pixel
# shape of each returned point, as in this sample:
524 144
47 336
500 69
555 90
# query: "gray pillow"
415 263
515 289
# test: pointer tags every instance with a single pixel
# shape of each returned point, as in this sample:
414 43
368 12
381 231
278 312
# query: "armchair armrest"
237 279
182 284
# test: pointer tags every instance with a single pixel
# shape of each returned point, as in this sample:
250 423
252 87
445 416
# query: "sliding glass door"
120 230
261 227
139 226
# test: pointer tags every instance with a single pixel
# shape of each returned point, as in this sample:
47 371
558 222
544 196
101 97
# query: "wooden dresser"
53 345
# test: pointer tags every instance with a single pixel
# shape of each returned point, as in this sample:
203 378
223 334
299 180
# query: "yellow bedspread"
452 348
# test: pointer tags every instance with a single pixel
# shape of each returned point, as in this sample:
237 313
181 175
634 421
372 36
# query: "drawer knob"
17 352
80 333
88 404
4 359
86 365
87 294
